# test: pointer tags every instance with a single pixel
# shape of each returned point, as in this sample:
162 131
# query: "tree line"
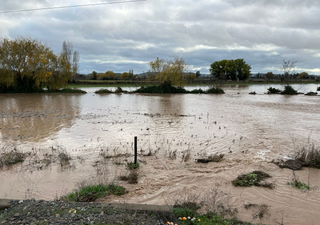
27 65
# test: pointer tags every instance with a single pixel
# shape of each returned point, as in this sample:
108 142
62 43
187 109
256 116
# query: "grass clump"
252 179
89 193
103 91
299 185
187 215
309 156
133 166
289 90
311 93
12 157
272 90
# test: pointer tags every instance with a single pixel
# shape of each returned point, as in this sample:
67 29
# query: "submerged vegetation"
12 157
89 193
253 179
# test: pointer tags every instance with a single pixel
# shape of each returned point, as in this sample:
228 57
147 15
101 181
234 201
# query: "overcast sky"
125 36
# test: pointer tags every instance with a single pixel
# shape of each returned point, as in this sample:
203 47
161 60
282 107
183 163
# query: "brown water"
251 130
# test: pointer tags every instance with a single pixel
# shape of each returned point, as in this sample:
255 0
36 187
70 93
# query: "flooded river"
97 132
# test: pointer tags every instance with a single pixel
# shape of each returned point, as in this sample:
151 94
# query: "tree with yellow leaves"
27 65
171 72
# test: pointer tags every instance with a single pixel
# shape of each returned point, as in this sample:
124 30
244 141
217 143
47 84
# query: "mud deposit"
96 133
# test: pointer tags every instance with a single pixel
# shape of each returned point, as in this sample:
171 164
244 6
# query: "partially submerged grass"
89 193
12 157
253 179
309 156
259 210
133 166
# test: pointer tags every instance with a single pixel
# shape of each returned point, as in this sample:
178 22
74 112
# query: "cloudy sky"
127 35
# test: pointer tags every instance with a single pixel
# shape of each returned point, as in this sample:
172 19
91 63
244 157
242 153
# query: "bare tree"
288 68
75 64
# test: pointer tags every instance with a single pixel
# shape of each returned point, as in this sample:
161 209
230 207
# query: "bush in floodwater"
289 90
89 193
214 90
119 90
272 90
103 91
71 90
311 93
252 93
197 91
12 157
318 88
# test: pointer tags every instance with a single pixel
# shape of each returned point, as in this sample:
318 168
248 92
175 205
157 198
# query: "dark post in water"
135 150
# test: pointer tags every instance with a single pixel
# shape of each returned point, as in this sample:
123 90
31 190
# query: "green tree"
27 65
171 72
198 74
303 75
230 69
94 75
269 75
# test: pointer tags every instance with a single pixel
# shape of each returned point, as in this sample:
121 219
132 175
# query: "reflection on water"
34 117
251 130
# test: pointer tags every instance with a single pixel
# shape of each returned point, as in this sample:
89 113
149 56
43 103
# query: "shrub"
318 89
288 90
197 91
72 90
272 90
103 91
250 179
311 93
252 93
214 90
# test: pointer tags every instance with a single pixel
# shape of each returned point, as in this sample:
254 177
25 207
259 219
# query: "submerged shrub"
214 90
11 158
288 90
272 90
103 91
72 90
311 93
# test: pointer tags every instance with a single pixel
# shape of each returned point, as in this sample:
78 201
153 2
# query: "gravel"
42 212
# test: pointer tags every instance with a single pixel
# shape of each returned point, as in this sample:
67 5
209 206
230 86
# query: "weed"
64 158
252 93
288 90
252 179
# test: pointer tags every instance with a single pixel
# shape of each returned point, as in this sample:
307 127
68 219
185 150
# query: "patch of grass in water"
103 91
11 158
89 193
299 185
252 179
71 90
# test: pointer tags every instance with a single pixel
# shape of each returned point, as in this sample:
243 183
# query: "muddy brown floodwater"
97 132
